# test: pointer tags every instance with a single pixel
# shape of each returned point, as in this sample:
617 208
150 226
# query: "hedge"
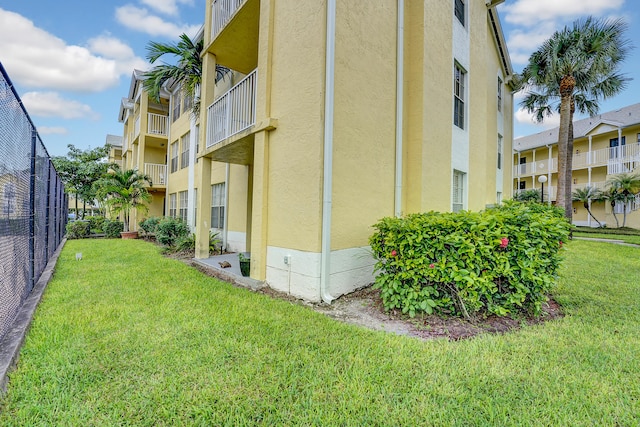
499 261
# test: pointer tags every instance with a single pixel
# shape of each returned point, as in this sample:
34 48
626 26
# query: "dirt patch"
364 308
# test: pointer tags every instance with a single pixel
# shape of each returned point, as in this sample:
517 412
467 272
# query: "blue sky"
71 61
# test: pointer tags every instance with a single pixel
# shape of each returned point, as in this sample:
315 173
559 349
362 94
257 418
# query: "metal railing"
624 158
157 124
233 112
157 173
33 205
221 13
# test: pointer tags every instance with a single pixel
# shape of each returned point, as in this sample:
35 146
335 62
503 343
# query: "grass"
127 337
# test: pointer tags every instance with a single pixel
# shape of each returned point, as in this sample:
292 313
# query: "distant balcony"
233 112
157 173
620 159
157 124
221 13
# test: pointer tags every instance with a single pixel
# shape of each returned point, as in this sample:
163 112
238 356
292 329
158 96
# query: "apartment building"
144 142
604 145
339 114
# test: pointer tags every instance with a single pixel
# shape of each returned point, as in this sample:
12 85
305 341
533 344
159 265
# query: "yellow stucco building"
336 115
604 146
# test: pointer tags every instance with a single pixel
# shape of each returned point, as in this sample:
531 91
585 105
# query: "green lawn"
624 237
127 337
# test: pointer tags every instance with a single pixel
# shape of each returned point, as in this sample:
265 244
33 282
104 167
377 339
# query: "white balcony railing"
221 13
233 112
157 124
620 159
157 173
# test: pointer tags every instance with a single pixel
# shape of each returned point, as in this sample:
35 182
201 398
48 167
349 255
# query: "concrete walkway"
230 274
614 241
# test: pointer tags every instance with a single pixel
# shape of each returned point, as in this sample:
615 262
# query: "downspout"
399 102
225 230
327 187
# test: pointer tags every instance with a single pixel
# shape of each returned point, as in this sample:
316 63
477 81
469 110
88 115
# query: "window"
172 205
523 165
217 205
459 10
614 151
174 157
522 185
499 151
458 97
499 94
176 106
184 203
184 154
457 197
188 103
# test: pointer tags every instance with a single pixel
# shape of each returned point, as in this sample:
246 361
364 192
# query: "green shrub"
187 243
112 229
499 261
149 225
78 229
532 195
171 230
96 223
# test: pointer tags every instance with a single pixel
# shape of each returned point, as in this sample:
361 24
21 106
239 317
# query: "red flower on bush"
560 242
394 253
432 265
504 242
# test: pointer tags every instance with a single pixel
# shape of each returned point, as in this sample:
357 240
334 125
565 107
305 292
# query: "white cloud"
522 116
38 59
140 19
50 104
531 12
168 7
52 130
113 48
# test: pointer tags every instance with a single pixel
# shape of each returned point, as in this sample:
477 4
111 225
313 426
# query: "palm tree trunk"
586 206
613 211
562 198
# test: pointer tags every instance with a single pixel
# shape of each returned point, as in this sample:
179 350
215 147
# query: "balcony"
157 124
157 173
620 159
234 33
233 112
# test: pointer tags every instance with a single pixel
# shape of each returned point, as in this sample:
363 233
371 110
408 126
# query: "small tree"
627 185
124 191
587 195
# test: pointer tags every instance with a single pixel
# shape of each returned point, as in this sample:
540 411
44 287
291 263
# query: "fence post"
32 213
48 212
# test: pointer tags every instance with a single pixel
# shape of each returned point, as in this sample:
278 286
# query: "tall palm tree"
627 185
587 195
187 71
573 70
124 191
613 197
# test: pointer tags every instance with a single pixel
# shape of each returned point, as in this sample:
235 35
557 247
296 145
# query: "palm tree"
187 71
611 195
574 69
124 191
626 185
587 195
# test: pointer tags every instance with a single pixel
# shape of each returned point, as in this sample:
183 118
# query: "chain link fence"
33 205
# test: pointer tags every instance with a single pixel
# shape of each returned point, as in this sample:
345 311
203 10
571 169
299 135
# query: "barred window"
217 205
499 151
499 94
176 106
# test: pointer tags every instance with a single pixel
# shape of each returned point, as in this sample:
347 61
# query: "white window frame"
174 157
459 10
499 94
172 205
459 83
500 152
184 153
218 196
457 190
184 205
